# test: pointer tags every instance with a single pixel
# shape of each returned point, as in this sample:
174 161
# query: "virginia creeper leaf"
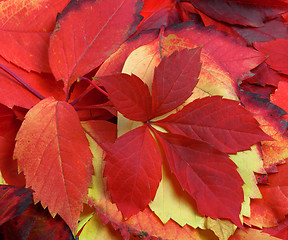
236 13
9 127
268 3
275 194
54 154
13 93
281 96
249 162
281 231
14 201
251 233
174 79
221 122
36 223
133 170
83 33
277 53
207 174
171 202
25 27
115 62
238 60
95 227
145 224
129 94
271 122
262 215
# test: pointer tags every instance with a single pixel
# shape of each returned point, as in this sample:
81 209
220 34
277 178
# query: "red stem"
95 85
22 82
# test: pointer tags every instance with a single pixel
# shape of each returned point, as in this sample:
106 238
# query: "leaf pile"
143 119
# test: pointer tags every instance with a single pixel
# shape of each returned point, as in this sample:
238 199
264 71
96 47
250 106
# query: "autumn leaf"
276 52
14 201
50 146
72 56
174 79
9 126
25 27
192 162
36 223
235 12
171 202
251 233
220 122
271 122
130 95
133 170
37 86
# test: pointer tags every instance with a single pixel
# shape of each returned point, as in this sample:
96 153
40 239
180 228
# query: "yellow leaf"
248 162
95 229
85 216
2 181
173 202
222 228
97 191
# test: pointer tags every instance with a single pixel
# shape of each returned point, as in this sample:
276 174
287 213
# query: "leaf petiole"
22 82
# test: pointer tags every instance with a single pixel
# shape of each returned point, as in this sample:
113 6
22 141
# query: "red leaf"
129 94
133 170
271 30
36 223
54 154
270 118
236 59
277 53
280 231
87 33
12 93
236 13
102 132
264 75
25 28
115 62
276 193
280 98
221 122
207 174
267 3
8 129
14 201
174 79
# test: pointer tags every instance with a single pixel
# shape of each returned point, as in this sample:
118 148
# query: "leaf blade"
73 57
129 94
49 151
174 79
220 122
208 175
133 170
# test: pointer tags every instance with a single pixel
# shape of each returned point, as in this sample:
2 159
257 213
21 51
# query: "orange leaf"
54 155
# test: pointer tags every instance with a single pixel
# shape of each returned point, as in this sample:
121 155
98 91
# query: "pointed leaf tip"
174 79
207 174
133 170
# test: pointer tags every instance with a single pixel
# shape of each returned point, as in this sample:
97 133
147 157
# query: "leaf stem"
95 85
89 107
22 82
81 96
